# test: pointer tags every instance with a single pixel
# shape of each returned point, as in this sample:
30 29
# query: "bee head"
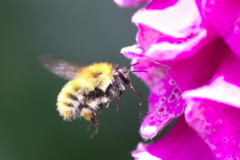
123 75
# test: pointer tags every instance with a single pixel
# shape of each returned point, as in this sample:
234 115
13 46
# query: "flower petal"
132 52
165 102
199 69
214 110
219 90
218 125
174 20
165 35
225 85
181 142
224 16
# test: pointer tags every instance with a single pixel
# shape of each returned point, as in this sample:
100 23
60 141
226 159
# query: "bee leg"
118 98
94 122
90 115
107 105
89 126
101 107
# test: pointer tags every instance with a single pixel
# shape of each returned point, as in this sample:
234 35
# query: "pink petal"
219 90
214 110
165 101
225 85
224 16
218 125
132 52
192 72
171 33
175 21
130 3
180 143
199 69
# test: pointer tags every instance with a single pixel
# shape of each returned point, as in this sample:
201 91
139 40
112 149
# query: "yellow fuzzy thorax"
96 75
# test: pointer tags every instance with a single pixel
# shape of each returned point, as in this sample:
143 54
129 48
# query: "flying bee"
89 87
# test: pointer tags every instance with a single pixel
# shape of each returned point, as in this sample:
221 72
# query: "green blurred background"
82 31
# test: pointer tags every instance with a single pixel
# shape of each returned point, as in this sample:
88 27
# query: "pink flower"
191 51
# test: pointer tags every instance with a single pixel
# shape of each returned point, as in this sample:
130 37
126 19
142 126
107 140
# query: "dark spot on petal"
172 82
225 110
164 115
162 99
161 110
178 42
172 98
190 36
176 90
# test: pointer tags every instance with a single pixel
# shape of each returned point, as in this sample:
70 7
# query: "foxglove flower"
191 51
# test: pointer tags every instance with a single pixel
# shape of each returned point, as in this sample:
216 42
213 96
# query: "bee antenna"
138 95
131 65
135 71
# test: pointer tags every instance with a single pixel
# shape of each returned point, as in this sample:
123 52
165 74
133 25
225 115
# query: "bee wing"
60 66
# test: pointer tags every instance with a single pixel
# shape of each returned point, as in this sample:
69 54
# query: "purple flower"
191 51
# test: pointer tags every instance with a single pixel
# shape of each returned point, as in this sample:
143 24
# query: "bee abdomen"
67 105
73 97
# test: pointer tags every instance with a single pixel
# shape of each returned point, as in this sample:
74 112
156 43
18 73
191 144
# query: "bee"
88 87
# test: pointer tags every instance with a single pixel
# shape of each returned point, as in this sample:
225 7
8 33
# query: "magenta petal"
219 90
132 52
199 69
218 125
214 110
130 3
224 16
172 33
225 85
165 102
175 21
180 143
165 47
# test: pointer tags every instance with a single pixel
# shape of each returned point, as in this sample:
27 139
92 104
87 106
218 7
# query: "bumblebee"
89 87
